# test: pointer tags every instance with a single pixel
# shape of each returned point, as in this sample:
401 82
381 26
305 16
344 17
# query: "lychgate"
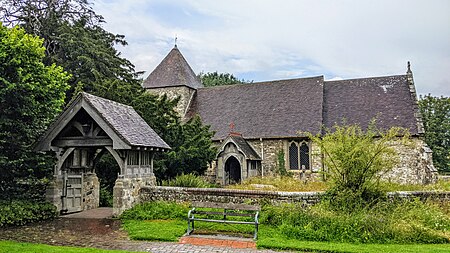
89 127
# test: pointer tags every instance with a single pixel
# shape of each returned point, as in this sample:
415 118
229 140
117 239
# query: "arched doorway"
232 171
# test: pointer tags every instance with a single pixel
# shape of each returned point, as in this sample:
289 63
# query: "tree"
355 160
216 79
436 120
192 150
74 39
31 95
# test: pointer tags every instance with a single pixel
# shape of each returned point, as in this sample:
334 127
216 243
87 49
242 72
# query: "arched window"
299 156
293 156
304 156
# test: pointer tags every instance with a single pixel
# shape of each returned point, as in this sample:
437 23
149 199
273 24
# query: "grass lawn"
172 230
21 247
270 238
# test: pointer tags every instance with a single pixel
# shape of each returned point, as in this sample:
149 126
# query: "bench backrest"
229 206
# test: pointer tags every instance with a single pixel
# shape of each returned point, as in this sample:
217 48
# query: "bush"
355 160
156 210
106 197
20 212
385 222
188 180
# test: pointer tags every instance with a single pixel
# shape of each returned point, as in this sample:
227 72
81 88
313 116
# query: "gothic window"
293 156
299 155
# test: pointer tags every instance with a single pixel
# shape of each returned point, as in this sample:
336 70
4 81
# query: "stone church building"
257 124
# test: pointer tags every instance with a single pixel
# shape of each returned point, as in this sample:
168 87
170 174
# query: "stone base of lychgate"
126 192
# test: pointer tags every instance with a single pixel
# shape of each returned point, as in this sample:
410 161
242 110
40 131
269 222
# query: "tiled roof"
125 122
173 71
262 110
358 101
242 144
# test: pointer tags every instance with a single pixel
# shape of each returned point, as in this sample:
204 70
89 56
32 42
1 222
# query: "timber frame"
89 127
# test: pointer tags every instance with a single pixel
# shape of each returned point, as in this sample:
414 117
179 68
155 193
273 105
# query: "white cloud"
348 39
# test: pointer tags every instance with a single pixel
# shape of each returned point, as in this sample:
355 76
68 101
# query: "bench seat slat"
227 214
231 206
226 221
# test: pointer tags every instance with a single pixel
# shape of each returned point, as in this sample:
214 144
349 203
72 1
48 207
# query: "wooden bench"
229 209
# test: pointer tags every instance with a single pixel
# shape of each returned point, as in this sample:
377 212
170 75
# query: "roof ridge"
365 78
262 82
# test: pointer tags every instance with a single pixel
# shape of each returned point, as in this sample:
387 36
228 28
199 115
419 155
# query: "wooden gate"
73 193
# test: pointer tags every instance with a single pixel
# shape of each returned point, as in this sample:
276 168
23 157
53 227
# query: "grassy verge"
20 247
155 230
270 238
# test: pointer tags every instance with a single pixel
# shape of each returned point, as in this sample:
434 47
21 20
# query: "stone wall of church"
183 92
416 164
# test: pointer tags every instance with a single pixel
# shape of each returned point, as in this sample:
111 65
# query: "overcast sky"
267 39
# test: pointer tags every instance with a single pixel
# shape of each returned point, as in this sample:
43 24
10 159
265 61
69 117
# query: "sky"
261 40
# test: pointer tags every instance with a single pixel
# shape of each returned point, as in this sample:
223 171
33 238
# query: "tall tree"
216 79
74 39
31 95
436 118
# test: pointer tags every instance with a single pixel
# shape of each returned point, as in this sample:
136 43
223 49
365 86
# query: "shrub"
355 159
106 197
279 184
20 212
187 180
156 210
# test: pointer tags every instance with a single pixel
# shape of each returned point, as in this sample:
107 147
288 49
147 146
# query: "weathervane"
176 38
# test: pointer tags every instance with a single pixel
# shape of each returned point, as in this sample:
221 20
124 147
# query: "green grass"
21 247
270 238
155 230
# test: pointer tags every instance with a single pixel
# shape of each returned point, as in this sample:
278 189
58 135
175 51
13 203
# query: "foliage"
31 95
155 230
23 247
192 150
281 163
436 120
279 183
386 222
187 180
355 160
20 212
216 79
156 210
74 39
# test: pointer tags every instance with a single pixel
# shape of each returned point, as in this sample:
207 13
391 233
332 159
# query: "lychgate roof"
120 122
262 110
126 122
358 101
173 71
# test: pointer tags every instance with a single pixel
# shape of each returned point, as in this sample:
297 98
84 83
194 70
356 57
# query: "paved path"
91 229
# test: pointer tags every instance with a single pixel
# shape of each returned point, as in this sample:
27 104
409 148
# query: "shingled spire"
173 71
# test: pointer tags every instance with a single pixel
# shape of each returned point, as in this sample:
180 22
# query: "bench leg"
255 236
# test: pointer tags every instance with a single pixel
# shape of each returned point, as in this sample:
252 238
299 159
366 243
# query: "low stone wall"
220 195
181 194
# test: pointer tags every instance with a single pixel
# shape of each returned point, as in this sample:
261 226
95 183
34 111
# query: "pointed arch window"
299 155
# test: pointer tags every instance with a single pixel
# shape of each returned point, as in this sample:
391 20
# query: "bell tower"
174 78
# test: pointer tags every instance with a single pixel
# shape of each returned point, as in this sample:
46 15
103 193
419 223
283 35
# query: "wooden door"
74 193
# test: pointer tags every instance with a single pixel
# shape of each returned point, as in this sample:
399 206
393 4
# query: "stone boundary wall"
220 195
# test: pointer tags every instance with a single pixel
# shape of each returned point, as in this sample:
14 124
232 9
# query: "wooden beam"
76 142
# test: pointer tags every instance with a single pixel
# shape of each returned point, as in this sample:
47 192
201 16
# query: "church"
258 124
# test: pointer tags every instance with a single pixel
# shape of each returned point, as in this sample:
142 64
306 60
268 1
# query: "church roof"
388 99
285 108
262 110
173 71
120 122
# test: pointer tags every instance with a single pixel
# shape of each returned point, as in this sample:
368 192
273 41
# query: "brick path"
91 229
